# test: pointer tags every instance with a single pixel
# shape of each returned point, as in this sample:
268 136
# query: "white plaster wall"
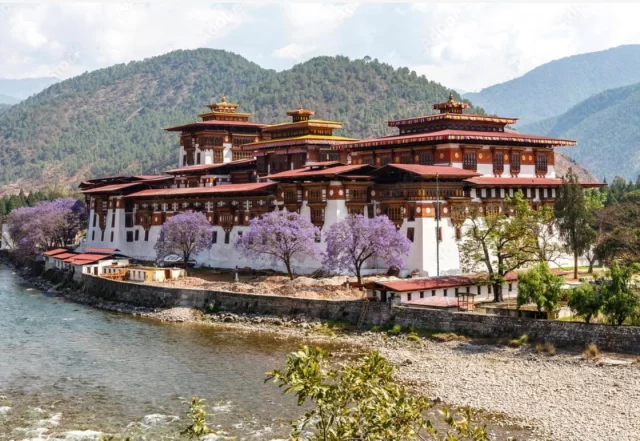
227 155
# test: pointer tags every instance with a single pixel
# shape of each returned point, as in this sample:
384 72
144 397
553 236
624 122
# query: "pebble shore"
560 397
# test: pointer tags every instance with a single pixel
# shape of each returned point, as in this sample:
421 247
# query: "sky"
463 46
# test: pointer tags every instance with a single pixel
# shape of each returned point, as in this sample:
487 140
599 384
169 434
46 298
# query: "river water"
68 371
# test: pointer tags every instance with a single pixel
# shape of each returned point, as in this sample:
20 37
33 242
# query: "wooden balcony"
417 192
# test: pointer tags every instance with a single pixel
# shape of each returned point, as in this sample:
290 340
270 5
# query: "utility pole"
437 225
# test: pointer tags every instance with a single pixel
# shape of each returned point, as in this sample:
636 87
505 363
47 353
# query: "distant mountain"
4 107
607 128
15 90
7 100
110 121
555 87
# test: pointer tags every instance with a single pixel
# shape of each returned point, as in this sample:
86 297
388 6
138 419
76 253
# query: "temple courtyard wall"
612 338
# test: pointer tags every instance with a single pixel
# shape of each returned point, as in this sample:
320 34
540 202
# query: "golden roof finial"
300 107
451 100
224 98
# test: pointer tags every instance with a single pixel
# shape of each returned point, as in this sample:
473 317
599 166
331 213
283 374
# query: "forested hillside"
607 128
110 121
555 87
4 107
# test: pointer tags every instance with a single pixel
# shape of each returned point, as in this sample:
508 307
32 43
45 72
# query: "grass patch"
591 352
412 336
395 330
517 342
333 328
449 336
546 348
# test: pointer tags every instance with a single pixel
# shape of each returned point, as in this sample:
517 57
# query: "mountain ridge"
607 128
554 87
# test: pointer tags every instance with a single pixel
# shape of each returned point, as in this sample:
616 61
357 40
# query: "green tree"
540 286
586 301
501 242
361 401
620 298
574 218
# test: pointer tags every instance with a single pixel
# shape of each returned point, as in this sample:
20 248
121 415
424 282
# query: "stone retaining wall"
621 339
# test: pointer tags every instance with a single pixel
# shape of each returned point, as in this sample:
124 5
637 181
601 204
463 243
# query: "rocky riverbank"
559 397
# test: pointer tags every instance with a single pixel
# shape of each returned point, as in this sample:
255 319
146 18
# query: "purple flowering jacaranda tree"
184 234
46 225
356 239
280 236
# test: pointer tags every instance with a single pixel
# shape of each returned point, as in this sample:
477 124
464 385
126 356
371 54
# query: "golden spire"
451 100
224 98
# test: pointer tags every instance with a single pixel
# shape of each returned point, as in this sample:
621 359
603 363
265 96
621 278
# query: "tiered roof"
302 130
222 115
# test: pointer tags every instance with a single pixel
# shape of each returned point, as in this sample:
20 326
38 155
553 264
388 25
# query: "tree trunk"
358 275
497 292
575 265
287 264
591 261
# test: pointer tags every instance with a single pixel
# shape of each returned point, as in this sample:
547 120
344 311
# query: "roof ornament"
224 98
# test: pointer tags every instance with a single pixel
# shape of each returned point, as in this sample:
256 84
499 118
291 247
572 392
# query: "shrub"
395 330
549 348
412 336
210 308
591 352
517 342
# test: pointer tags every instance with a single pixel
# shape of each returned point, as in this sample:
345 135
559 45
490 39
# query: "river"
68 371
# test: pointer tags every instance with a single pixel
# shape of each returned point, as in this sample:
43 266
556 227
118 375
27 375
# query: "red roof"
200 167
331 171
439 282
83 259
290 142
450 135
100 250
64 256
524 182
453 116
54 252
218 189
431 170
109 188
215 122
323 163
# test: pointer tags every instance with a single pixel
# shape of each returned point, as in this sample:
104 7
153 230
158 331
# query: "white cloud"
468 46
293 51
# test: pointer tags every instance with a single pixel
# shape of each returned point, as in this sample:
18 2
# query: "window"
470 161
457 292
93 235
510 287
410 233
549 192
408 297
112 236
227 236
425 157
541 164
102 236
198 158
214 237
95 219
515 162
385 159
129 236
113 220
422 294
444 292
239 234
146 235
137 235
433 292
317 215
184 160
498 163
489 290
128 220
405 158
